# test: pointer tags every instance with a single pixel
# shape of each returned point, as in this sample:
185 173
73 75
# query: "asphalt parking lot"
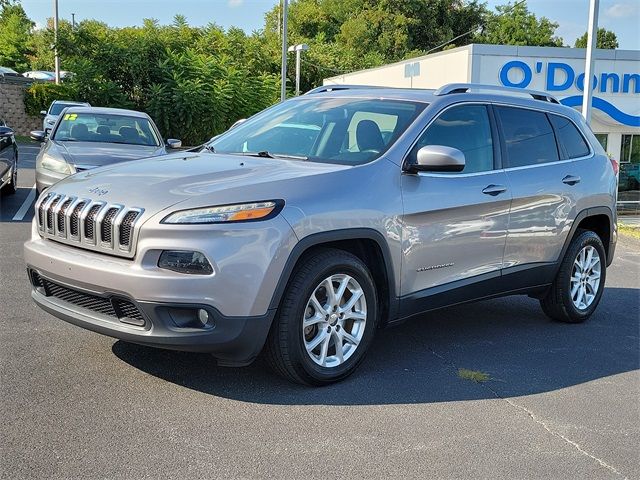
562 400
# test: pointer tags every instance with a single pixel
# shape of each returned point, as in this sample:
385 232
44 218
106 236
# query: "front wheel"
576 291
326 320
11 187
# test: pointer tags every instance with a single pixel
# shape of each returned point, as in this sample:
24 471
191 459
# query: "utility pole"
73 21
55 41
301 47
283 73
592 36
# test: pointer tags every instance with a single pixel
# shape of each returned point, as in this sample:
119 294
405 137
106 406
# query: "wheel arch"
365 243
599 220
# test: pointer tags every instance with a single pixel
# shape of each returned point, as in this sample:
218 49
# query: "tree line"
196 81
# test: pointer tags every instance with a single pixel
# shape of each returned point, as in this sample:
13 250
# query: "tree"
514 24
15 30
605 39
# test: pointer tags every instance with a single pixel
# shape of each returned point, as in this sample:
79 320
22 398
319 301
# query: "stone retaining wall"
12 106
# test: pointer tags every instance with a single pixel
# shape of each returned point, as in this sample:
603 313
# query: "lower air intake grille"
116 307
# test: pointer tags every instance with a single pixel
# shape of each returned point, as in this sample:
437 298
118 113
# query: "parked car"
50 117
8 72
40 75
406 201
8 159
88 137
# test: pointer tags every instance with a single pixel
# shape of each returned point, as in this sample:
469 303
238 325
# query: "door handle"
494 190
571 180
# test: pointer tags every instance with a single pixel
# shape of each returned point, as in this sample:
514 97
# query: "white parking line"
24 208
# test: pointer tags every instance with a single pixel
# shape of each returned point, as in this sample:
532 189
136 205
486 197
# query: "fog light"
203 316
184 261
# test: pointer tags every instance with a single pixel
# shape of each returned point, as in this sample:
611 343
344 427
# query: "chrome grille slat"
89 224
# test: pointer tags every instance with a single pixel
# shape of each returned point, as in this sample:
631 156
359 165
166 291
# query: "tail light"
614 165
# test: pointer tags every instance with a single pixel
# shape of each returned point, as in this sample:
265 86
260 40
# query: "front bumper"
234 341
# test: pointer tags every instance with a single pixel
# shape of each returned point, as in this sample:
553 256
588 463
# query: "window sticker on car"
71 116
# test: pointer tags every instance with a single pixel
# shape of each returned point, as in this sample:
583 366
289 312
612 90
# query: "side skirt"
524 279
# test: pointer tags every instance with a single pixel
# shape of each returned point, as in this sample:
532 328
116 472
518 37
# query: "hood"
205 178
96 154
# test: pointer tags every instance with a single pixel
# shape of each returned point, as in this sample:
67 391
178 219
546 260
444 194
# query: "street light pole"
283 73
301 47
73 21
55 41
592 36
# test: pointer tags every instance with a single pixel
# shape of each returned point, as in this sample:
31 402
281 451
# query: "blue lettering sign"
552 86
580 82
526 71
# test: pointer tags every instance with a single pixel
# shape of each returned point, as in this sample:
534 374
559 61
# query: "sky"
621 16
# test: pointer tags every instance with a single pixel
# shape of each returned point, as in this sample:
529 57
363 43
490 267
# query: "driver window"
467 128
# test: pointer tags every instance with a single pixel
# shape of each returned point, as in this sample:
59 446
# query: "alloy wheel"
585 277
334 320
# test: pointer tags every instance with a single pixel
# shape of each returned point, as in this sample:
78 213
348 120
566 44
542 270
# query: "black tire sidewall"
301 361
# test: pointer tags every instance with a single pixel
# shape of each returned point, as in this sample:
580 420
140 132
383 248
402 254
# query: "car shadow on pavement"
510 339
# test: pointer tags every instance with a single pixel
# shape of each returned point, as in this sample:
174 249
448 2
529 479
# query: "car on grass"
8 160
391 203
50 116
88 137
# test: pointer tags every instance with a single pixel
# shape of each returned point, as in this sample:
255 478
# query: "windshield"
106 128
57 107
349 131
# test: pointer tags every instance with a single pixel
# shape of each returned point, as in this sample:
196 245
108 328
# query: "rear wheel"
577 289
326 320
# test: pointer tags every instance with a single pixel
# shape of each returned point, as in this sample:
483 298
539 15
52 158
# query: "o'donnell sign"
611 84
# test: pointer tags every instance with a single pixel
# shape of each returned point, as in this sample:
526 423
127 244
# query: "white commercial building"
558 71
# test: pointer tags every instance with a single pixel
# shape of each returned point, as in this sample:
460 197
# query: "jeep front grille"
94 225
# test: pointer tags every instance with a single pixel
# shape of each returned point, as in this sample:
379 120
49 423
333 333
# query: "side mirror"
38 135
173 143
43 113
237 122
438 158
5 132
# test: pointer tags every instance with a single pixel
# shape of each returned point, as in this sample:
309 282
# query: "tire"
286 348
559 304
11 187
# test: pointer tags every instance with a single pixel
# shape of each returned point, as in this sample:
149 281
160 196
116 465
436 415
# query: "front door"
455 224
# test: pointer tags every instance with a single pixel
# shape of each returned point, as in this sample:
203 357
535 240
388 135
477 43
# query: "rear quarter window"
571 140
528 137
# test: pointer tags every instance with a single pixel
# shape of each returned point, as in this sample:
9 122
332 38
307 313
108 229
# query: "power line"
508 10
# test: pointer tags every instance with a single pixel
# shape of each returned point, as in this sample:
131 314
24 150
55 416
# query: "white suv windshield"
334 130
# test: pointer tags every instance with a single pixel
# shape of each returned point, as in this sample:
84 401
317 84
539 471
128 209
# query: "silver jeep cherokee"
307 228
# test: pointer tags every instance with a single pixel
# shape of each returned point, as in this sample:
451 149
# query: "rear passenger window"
528 137
467 128
570 138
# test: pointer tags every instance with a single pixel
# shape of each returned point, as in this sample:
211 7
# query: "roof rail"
337 87
468 87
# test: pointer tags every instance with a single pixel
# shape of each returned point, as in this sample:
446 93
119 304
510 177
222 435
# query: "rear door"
542 181
455 224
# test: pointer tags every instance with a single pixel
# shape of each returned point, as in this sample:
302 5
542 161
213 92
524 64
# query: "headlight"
56 165
243 212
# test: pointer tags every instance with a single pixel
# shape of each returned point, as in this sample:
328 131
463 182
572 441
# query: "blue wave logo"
611 110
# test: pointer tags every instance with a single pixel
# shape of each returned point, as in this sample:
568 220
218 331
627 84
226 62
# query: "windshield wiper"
266 154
